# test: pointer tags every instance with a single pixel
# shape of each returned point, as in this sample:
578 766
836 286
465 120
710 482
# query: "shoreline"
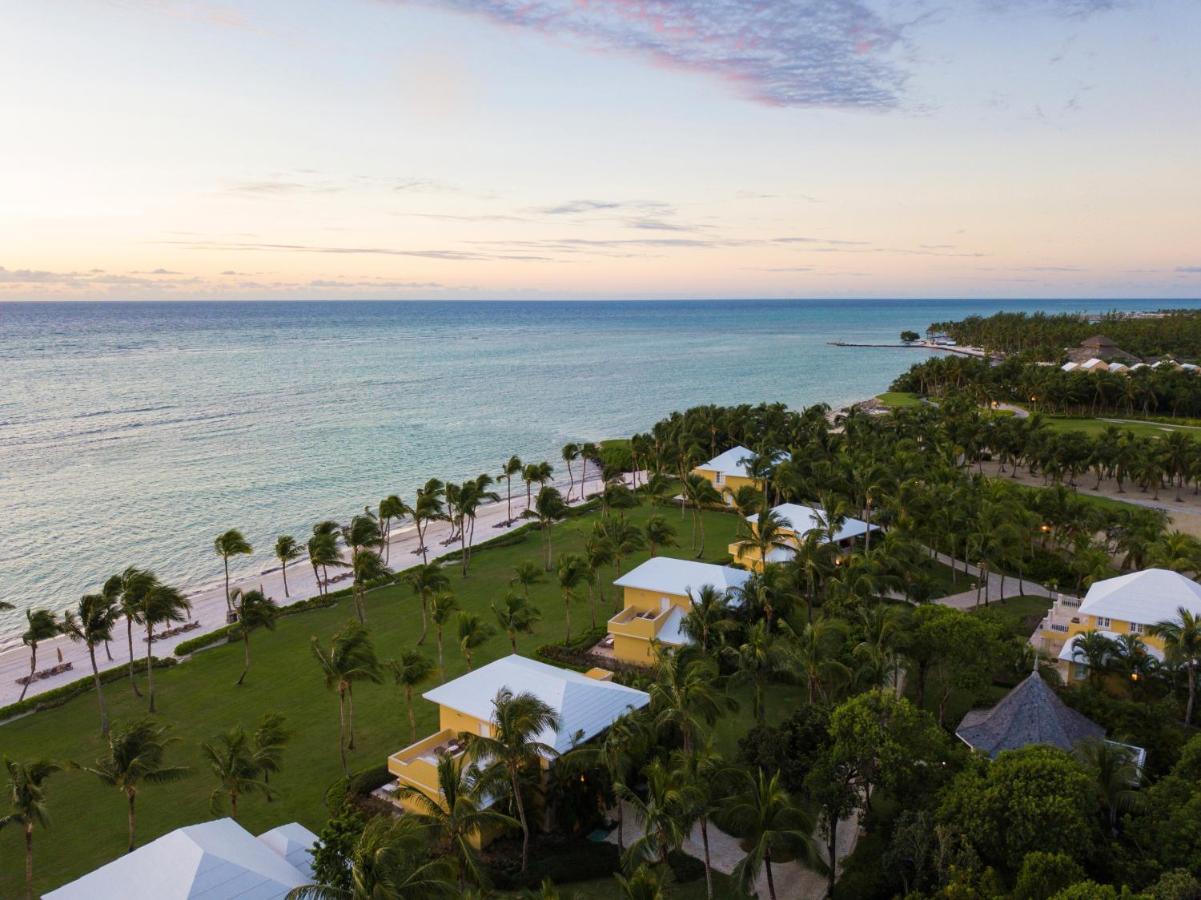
209 606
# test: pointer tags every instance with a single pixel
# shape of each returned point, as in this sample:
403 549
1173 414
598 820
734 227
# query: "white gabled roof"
294 843
672 630
1147 597
1069 647
802 519
585 706
1139 365
216 860
733 462
1069 366
679 576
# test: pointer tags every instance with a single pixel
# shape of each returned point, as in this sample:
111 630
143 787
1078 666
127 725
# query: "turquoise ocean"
132 433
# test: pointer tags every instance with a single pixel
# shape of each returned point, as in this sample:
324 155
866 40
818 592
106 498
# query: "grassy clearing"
199 699
898 399
1093 426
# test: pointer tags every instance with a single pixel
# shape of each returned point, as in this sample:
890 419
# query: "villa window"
1137 628
718 478
1103 622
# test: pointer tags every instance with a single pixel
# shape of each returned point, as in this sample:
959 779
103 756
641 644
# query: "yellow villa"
586 705
797 521
731 471
656 600
1128 604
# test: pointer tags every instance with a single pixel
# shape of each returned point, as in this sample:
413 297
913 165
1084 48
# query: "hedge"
232 633
574 860
60 695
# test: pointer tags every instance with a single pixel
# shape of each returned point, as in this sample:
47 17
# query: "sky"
563 149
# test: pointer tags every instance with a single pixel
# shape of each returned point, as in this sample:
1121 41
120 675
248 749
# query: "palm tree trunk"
1191 670
424 621
233 805
132 816
701 520
441 667
29 860
621 843
708 866
567 618
350 717
149 667
525 827
284 569
246 648
342 730
129 635
832 851
99 691
33 664
771 882
228 605
509 499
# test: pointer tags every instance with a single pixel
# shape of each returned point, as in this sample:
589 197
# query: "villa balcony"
637 623
417 764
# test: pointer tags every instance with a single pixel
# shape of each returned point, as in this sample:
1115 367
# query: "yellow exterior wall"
632 650
731 483
457 721
643 600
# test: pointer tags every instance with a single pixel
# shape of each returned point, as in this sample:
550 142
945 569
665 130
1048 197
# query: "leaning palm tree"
443 605
160 604
427 507
92 622
227 544
323 553
457 818
519 721
135 758
230 757
527 573
472 633
254 611
43 625
660 813
27 800
408 671
1182 644
770 824
516 615
571 571
390 859
548 509
598 553
131 587
350 658
286 550
508 470
426 580
700 493
269 740
769 532
708 617
571 452
366 566
659 533
391 507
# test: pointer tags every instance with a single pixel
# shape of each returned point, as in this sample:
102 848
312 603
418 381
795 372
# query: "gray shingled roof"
1029 714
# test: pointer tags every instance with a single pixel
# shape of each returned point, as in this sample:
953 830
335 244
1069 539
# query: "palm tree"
645 884
135 757
624 538
1115 777
270 738
231 759
701 775
323 553
1182 644
411 669
457 817
618 752
427 507
660 813
227 544
588 450
391 860
43 625
517 615
769 532
92 622
816 654
367 566
286 550
442 606
571 571
160 604
350 658
472 495
707 617
426 580
472 633
757 657
700 493
686 697
571 452
507 471
27 800
518 720
548 509
598 553
391 507
131 586
768 821
527 574
659 533
254 611
1095 650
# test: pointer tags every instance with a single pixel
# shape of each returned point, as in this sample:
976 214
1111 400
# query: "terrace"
417 764
643 624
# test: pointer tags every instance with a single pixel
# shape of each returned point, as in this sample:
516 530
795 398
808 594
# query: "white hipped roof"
1067 653
672 630
802 519
1093 363
585 706
216 860
1147 597
1070 366
679 576
735 461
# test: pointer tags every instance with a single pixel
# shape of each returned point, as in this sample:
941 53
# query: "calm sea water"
132 433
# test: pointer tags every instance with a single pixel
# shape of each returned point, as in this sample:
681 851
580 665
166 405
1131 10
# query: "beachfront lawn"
899 399
1095 426
199 699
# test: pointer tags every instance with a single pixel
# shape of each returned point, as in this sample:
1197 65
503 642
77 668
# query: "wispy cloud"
1189 270
256 247
575 207
832 53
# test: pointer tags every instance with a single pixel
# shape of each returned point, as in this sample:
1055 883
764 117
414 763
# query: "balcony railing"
417 764
636 623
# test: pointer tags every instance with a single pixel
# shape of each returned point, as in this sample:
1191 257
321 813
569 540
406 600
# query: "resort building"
798 521
1128 604
210 861
586 705
731 471
1031 713
657 596
1100 347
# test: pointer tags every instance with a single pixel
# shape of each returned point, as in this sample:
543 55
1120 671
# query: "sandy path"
208 604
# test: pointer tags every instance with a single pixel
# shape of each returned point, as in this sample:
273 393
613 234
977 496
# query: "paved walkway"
208 604
793 880
970 599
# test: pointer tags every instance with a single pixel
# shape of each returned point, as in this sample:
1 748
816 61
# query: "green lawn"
199 699
1112 503
898 399
1093 427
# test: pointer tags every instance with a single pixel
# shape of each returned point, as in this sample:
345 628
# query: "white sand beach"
208 603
